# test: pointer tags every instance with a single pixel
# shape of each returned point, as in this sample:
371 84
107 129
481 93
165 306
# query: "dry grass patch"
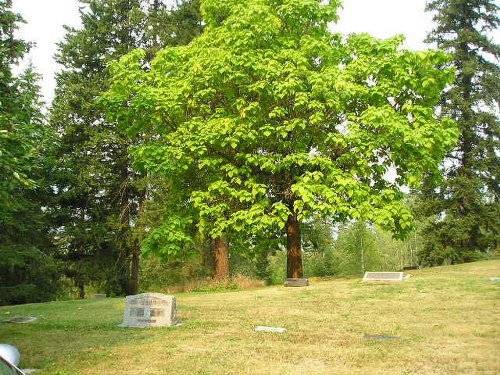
442 321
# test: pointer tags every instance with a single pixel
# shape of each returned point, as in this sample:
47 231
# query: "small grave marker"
150 310
296 282
383 276
270 329
21 319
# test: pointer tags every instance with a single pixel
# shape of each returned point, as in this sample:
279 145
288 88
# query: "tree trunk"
125 214
81 289
134 269
294 267
362 253
221 256
136 250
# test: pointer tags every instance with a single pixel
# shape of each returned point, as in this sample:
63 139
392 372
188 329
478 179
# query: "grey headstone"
150 310
383 276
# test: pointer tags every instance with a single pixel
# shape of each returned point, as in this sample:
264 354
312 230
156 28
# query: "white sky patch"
380 18
44 27
387 18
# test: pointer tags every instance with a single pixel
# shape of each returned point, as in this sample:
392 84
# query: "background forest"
82 210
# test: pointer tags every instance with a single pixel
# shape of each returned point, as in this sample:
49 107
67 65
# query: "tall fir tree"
27 271
100 195
464 210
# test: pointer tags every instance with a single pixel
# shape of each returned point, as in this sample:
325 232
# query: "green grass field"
445 320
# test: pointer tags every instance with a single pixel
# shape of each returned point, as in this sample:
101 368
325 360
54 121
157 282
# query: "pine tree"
464 209
100 194
15 141
27 272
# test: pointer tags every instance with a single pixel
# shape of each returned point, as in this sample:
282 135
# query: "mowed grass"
443 320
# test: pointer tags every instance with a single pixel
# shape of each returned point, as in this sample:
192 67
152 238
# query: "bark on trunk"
81 289
221 256
134 270
125 214
294 267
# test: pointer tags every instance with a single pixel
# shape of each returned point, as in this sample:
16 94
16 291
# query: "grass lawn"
443 320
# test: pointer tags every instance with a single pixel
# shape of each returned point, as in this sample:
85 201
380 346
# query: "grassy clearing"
446 320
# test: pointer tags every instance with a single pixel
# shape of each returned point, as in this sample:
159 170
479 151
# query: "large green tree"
27 272
16 129
285 119
464 210
100 195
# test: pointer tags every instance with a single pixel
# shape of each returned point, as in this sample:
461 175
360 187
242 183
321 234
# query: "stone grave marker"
296 282
21 319
383 276
149 310
270 329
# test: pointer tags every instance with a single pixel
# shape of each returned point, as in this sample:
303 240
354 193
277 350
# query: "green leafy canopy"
282 117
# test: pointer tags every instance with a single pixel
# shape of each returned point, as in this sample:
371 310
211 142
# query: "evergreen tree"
15 131
100 195
27 272
465 209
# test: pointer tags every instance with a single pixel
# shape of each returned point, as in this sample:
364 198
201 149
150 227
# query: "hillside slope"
442 320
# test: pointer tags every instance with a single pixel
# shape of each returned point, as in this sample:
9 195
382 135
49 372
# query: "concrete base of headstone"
150 310
296 282
99 296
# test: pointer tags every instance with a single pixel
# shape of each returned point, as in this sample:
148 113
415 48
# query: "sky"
380 18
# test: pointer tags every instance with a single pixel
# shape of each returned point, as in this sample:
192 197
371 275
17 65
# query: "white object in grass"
270 329
383 276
